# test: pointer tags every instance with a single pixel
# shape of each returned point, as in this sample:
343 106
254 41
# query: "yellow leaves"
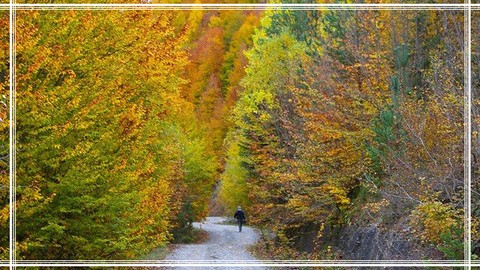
375 207
4 214
79 149
432 218
131 120
272 62
475 228
339 195
92 85
300 204
333 152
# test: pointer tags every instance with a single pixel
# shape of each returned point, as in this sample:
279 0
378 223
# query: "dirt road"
225 246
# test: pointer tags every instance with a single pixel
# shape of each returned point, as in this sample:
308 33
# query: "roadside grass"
195 236
192 236
159 253
199 236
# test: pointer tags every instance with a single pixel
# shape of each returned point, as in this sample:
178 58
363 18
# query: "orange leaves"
207 54
132 120
216 68
90 131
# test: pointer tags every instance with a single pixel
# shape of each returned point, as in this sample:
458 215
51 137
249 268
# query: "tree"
100 139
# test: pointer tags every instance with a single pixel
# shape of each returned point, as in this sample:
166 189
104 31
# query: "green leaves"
233 185
99 117
321 140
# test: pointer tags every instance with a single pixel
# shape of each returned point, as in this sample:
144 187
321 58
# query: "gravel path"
225 243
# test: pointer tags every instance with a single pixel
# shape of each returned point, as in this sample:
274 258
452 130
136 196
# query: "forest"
340 132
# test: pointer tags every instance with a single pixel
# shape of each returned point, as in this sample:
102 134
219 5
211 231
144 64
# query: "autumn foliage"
318 122
108 156
350 118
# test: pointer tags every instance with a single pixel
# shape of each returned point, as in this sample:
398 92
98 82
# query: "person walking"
240 216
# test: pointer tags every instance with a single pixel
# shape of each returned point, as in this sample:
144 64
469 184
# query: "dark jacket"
239 215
